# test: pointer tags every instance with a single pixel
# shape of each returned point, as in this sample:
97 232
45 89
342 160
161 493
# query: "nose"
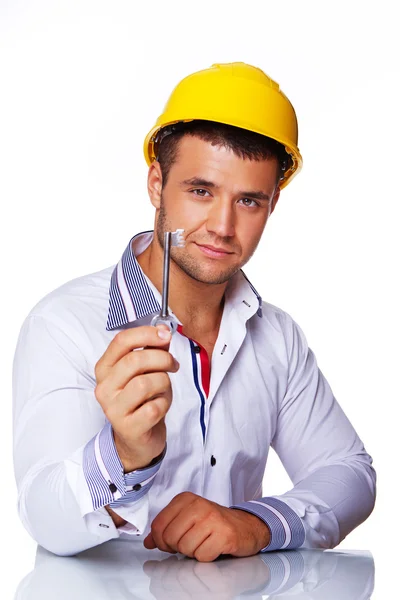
221 218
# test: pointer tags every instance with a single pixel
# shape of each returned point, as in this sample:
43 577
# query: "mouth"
214 252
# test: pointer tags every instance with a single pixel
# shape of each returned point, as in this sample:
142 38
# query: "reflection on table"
120 570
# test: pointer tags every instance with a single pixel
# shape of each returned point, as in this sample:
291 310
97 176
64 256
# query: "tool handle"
168 321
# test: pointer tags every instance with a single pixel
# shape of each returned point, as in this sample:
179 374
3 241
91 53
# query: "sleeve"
334 481
66 465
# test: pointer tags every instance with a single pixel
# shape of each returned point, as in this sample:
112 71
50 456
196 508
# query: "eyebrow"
199 181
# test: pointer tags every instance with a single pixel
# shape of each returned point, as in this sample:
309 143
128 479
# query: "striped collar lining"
130 295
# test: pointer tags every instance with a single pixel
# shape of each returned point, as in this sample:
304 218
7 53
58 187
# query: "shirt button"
137 487
197 349
213 461
113 487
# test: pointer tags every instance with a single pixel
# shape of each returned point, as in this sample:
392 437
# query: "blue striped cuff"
139 482
104 473
287 530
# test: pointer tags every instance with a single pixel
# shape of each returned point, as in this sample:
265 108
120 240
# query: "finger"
177 528
137 391
192 539
127 340
147 416
160 545
130 368
149 543
168 514
138 363
209 550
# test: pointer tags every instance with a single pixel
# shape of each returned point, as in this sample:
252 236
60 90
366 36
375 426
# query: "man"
114 437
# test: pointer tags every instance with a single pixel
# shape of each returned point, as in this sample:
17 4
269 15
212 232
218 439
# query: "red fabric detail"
204 362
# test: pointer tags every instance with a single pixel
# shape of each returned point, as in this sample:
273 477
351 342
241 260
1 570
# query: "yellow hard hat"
235 94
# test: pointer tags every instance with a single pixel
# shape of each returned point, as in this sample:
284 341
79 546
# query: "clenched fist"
134 391
204 530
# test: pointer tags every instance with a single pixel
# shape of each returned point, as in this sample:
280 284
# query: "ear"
275 199
154 184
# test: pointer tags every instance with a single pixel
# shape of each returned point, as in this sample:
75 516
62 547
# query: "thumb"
167 342
149 543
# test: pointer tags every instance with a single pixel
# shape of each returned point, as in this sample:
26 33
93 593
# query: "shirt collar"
132 295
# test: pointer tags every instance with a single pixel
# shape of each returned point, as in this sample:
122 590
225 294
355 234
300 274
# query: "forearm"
49 511
334 482
62 502
66 509
70 506
333 501
320 510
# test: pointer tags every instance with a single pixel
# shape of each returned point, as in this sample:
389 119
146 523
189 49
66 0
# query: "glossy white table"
120 570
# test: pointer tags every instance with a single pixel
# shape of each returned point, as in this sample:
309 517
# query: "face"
220 200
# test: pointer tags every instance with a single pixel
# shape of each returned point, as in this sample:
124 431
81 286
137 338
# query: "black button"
137 487
213 461
113 487
197 349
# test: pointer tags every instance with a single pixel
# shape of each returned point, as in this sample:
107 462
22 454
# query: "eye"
200 192
250 200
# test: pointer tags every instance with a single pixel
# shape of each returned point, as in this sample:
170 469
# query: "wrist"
132 466
117 520
259 528
156 459
130 463
263 532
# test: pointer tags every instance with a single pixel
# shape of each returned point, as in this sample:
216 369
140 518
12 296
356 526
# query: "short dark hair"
244 143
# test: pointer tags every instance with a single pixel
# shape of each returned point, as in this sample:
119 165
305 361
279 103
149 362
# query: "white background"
82 82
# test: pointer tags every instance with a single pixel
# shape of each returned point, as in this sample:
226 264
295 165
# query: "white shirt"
264 389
